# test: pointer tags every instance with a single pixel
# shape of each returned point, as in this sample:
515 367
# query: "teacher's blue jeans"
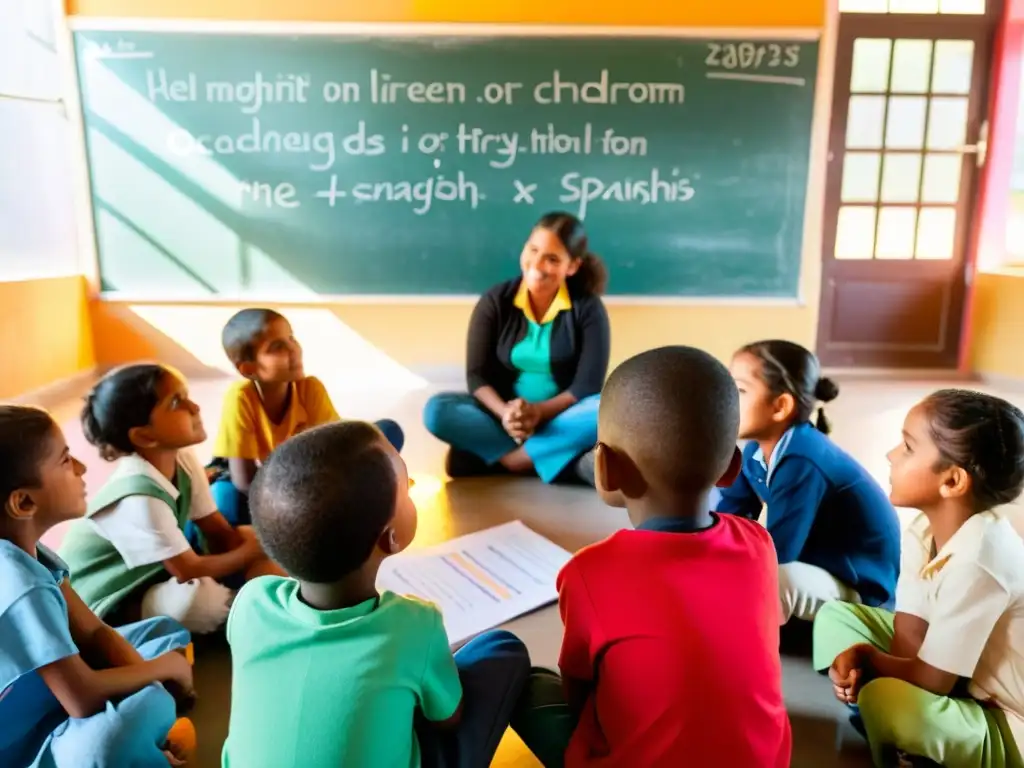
459 420
493 668
234 504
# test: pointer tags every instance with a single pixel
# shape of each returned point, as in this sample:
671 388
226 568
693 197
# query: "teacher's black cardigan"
580 343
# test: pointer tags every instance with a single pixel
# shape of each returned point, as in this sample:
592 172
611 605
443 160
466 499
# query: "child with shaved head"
671 646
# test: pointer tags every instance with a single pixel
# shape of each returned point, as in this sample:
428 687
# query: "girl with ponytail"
836 533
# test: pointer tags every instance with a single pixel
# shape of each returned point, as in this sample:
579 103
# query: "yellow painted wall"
997 325
429 334
44 333
691 13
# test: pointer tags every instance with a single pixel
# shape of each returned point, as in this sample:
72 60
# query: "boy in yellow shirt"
275 402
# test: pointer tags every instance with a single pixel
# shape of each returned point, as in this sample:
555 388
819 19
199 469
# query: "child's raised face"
914 464
175 421
760 410
278 357
60 495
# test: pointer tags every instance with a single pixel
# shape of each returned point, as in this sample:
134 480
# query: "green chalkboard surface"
256 165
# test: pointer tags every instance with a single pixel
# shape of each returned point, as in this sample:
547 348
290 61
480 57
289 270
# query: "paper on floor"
479 580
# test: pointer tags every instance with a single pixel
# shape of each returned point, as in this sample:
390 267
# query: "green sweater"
99 574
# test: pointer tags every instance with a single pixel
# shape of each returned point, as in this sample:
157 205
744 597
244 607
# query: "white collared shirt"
776 457
144 530
972 596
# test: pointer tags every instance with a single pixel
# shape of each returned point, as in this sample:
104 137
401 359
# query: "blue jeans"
234 504
128 732
493 668
459 420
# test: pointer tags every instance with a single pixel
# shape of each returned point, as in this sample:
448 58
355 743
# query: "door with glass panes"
906 144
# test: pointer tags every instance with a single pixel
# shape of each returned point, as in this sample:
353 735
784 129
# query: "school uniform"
34 633
971 593
836 533
522 356
357 679
675 632
247 432
135 523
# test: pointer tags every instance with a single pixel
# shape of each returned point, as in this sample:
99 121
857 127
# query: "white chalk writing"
276 114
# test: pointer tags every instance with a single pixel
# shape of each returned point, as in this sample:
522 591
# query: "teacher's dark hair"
591 277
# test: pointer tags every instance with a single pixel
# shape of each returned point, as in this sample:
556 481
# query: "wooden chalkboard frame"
87 237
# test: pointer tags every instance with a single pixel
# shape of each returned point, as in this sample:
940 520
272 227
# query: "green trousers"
956 733
542 718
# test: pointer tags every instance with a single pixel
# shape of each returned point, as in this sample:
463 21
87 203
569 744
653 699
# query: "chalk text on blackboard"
584 190
602 91
421 194
251 95
732 56
524 192
385 90
346 93
322 146
477 141
281 195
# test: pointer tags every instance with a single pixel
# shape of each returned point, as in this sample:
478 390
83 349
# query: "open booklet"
479 580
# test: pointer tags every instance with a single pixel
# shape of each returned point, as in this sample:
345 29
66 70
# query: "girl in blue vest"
73 691
130 556
836 533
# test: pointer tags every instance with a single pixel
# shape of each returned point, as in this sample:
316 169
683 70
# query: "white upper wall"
37 217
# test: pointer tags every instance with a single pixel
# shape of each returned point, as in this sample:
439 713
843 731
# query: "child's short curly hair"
323 498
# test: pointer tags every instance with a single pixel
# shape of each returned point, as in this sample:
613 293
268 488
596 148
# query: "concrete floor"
867 418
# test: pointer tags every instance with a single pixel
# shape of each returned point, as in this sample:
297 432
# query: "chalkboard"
245 165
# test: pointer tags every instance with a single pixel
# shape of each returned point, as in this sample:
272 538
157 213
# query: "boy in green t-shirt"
328 672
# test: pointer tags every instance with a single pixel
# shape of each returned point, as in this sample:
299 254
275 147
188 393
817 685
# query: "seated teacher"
536 359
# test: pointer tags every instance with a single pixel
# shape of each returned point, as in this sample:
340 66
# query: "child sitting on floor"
130 558
73 691
836 535
959 602
671 647
276 401
370 680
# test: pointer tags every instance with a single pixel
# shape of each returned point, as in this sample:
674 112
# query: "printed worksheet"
480 580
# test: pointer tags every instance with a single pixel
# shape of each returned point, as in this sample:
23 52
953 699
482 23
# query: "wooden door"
907 140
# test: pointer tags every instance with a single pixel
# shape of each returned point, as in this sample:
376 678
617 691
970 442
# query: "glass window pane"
913 6
962 6
947 123
954 60
863 6
911 66
855 233
904 127
900 178
935 233
896 233
860 177
864 122
941 179
870 65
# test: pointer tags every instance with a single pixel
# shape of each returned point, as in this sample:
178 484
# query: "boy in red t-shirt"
671 647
